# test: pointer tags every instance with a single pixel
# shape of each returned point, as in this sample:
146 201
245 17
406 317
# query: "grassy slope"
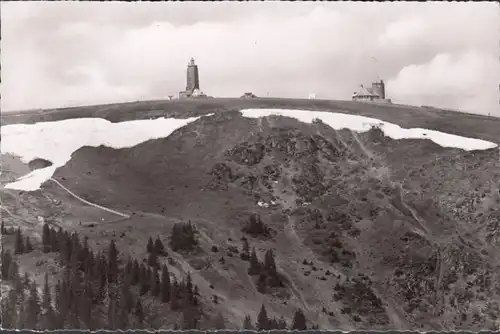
472 125
164 181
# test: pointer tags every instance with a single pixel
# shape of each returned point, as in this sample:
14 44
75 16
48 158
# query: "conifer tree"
247 323
245 253
165 284
299 321
22 315
270 263
26 280
190 318
19 245
174 300
144 280
262 283
159 247
135 273
9 312
13 272
262 319
33 307
139 314
46 242
113 261
46 293
255 266
150 247
112 314
189 288
126 298
28 246
154 280
3 231
153 260
273 323
6 260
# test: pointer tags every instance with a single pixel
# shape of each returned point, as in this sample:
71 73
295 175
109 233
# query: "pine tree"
28 247
273 324
9 312
46 293
19 246
139 314
262 319
255 266
270 263
150 247
299 321
126 298
112 314
144 280
174 292
262 283
49 319
46 242
154 282
136 270
13 272
26 280
159 247
113 261
189 288
190 318
245 253
247 323
153 260
6 260
165 284
3 228
33 307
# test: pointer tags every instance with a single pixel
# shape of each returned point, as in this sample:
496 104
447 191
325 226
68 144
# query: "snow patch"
265 205
57 141
356 123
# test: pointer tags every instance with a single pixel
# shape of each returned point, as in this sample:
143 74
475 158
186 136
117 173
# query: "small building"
375 93
248 95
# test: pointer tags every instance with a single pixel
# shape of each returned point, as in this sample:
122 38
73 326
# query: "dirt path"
89 203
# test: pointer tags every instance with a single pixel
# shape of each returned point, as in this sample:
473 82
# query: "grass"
464 124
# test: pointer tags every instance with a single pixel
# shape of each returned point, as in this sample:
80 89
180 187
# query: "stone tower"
192 80
379 88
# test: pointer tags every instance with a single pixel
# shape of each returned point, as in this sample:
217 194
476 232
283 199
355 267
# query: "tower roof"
191 62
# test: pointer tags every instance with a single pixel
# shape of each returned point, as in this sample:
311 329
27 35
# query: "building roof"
364 91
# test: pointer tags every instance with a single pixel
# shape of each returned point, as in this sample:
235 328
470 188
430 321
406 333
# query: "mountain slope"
368 232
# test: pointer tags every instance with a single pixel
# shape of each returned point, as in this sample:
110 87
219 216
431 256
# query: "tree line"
98 291
94 284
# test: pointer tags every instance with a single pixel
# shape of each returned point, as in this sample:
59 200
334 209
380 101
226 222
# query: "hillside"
367 232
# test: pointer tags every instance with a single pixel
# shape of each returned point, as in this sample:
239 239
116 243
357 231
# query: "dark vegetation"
97 291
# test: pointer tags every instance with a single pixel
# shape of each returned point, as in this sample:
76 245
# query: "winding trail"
89 203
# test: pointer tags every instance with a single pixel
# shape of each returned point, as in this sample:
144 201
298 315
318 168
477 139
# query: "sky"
58 54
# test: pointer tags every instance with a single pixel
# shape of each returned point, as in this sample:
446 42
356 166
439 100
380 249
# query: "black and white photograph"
255 165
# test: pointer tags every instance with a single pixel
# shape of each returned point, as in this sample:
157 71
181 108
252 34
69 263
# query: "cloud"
101 52
468 81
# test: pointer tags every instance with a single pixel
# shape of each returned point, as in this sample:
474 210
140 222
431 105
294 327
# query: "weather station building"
192 82
375 93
